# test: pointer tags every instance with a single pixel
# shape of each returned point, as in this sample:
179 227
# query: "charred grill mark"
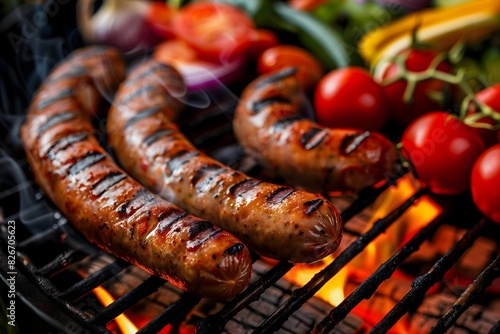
65 142
74 72
91 158
243 186
167 218
313 205
234 249
289 71
257 106
109 180
95 50
157 135
313 137
56 119
150 71
279 195
194 244
351 142
211 169
286 121
139 199
141 115
180 159
137 93
67 92
198 227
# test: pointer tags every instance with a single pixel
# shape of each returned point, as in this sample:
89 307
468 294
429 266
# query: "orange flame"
332 292
105 298
422 212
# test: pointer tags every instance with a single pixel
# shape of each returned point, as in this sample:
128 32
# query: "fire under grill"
403 270
58 271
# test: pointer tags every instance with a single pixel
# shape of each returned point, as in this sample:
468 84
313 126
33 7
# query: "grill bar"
60 262
301 295
92 281
174 314
368 287
423 283
215 323
149 286
468 297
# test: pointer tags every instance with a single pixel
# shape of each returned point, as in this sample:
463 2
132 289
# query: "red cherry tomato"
309 69
350 97
442 150
485 183
217 30
260 41
416 61
489 97
160 17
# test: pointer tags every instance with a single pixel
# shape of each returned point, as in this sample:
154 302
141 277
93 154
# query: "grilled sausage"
269 125
104 203
275 221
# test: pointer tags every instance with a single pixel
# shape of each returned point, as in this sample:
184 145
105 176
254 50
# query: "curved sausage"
275 221
104 203
269 125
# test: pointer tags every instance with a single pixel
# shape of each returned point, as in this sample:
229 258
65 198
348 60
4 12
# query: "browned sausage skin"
269 124
104 203
275 221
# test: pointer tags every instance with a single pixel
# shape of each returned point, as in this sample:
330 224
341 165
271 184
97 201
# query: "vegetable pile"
425 73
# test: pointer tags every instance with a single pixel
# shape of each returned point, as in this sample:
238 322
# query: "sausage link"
108 206
268 123
275 221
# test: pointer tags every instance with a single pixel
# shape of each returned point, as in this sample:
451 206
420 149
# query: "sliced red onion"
205 75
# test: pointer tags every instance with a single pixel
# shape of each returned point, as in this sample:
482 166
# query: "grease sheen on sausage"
108 206
268 123
275 221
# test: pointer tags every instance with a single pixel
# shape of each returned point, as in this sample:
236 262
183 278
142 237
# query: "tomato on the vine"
420 101
485 183
309 69
489 97
217 30
350 97
442 149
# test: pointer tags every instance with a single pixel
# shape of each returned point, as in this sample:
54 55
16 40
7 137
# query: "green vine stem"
458 79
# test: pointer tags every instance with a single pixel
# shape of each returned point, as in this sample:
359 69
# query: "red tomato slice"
217 30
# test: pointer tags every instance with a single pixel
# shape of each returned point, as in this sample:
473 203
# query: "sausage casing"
268 123
275 221
104 203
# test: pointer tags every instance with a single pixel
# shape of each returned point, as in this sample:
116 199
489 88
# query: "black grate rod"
468 297
61 262
215 323
423 283
301 295
149 286
368 287
174 314
93 280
